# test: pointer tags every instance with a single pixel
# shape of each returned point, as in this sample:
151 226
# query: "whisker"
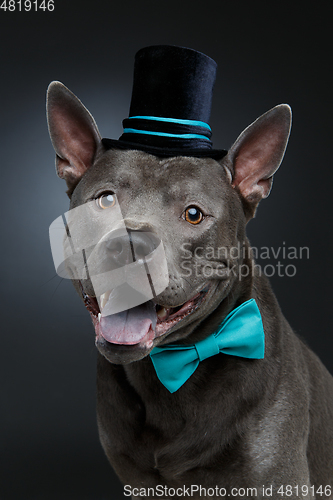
182 289
48 281
56 288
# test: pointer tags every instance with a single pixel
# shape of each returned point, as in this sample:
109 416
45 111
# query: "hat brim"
216 154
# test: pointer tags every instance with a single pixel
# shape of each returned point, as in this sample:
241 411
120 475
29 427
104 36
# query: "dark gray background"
266 55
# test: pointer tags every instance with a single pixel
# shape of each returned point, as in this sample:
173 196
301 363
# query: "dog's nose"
126 249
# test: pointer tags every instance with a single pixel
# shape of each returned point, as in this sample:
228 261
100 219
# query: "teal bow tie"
240 334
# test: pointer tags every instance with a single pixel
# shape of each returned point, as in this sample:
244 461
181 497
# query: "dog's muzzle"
125 267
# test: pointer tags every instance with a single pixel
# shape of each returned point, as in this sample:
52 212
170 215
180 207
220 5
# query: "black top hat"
171 103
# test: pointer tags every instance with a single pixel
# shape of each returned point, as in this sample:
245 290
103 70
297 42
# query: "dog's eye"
106 200
193 215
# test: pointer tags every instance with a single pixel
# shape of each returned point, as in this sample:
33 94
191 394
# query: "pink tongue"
129 327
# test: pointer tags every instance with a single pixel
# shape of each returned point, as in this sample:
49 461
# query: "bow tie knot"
207 347
240 334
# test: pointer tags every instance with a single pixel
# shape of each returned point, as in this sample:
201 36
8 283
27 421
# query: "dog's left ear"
74 134
256 155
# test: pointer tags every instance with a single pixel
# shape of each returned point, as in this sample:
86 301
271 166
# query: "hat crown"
171 103
173 82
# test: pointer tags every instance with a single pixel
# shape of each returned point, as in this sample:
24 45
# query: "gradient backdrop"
266 55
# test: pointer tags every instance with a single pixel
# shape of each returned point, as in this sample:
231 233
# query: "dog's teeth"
99 316
162 313
103 299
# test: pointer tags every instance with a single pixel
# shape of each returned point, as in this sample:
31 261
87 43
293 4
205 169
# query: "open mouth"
140 325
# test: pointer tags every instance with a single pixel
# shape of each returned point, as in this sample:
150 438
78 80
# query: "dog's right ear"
256 155
74 134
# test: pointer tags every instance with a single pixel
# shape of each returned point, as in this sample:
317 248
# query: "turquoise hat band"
172 128
165 134
195 123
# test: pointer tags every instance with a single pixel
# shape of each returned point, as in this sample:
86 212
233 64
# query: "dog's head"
196 207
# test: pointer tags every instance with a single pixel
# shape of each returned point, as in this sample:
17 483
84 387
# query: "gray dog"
240 422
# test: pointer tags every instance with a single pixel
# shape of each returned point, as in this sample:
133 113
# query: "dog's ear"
257 154
74 134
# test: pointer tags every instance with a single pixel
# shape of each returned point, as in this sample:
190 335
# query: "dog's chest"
161 440
162 452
